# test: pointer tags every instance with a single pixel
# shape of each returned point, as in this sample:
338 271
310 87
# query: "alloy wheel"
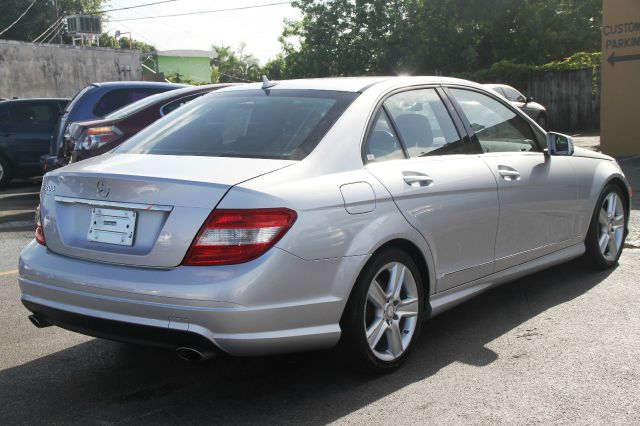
391 311
611 226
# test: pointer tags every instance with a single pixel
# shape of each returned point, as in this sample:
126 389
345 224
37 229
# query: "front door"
538 193
447 193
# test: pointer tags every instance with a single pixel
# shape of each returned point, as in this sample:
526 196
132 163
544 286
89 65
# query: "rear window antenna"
266 84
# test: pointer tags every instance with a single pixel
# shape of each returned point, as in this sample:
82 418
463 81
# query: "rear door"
445 191
538 193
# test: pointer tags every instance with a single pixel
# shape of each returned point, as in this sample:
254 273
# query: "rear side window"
30 115
279 124
383 144
424 124
118 98
4 115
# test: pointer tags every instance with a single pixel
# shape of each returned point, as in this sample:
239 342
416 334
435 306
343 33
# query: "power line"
49 39
134 7
19 18
167 24
204 12
56 22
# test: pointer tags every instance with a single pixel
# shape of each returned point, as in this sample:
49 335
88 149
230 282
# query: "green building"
186 65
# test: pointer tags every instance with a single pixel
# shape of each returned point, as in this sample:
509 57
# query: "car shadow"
103 382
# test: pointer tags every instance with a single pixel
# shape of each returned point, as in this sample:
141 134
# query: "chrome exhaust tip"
38 322
192 354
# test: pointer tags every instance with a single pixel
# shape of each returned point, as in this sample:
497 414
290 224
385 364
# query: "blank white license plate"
112 226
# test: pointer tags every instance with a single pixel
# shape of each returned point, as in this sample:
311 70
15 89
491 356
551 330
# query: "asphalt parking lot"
561 346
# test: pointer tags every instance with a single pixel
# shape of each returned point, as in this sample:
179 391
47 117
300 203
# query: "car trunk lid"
146 208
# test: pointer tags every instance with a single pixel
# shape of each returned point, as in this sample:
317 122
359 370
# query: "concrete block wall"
48 70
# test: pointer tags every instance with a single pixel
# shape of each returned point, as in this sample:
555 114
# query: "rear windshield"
139 105
118 98
76 98
279 124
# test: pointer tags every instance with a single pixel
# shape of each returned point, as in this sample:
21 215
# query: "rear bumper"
278 303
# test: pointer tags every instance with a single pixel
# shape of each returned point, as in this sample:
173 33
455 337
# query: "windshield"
280 124
139 105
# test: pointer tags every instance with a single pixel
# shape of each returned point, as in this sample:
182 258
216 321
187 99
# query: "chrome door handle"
417 180
509 173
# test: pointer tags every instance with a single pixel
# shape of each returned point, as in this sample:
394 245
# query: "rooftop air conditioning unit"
84 25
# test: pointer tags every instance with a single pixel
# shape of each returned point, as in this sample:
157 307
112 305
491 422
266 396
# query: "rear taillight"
96 137
39 232
236 236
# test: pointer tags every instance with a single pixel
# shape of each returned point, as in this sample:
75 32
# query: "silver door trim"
103 203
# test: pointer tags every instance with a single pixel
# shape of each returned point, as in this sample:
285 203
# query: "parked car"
95 101
87 139
26 126
525 103
302 214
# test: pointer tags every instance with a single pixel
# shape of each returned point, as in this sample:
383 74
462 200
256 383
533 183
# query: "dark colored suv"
87 139
26 127
95 101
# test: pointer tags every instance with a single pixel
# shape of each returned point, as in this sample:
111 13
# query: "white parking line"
15 271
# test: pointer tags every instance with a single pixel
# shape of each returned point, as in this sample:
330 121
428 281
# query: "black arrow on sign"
613 58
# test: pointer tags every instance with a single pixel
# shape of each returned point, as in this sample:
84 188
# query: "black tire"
353 345
542 121
594 255
6 172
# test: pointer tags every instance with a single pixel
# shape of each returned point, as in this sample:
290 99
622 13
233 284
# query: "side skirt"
440 302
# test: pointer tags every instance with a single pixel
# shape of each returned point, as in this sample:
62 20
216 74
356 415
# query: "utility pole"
55 12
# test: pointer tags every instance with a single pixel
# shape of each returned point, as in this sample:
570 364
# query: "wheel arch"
624 188
421 262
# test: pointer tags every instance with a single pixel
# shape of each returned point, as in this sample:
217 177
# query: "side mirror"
528 99
559 144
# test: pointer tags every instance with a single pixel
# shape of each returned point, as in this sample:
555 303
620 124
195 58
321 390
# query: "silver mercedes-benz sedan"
298 215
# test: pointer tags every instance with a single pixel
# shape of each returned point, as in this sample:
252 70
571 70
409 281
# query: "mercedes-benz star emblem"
103 189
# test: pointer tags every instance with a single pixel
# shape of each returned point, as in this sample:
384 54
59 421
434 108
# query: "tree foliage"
234 65
40 16
353 37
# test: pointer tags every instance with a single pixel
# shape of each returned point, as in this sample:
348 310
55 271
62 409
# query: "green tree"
231 65
107 40
40 16
354 37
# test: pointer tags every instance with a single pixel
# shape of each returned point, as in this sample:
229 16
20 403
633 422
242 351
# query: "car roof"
492 85
138 84
26 100
348 84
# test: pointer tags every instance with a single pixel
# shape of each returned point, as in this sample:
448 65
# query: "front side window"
497 127
279 124
424 123
513 95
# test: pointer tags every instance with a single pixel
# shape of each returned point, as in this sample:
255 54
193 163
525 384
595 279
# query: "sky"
259 28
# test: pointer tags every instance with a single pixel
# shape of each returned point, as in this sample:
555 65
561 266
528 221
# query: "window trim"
539 136
453 114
